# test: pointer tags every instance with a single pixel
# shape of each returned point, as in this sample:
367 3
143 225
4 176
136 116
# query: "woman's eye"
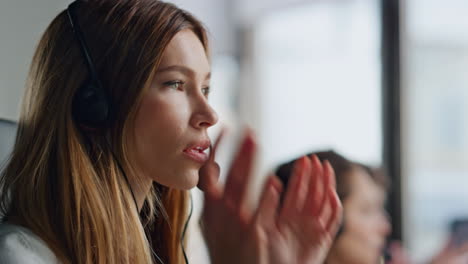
206 91
176 85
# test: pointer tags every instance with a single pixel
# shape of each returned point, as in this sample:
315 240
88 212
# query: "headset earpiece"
90 106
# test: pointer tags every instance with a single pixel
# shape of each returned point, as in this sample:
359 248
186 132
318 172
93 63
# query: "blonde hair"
66 186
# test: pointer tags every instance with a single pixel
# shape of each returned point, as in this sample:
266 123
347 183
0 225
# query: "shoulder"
20 245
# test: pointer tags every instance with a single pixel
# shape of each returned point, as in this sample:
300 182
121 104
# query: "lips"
196 151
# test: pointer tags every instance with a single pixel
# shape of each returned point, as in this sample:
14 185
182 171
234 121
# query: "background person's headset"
92 107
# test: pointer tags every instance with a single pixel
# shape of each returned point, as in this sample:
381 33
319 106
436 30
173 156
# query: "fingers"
322 201
328 179
316 197
239 174
452 254
332 175
266 213
209 172
462 249
398 253
336 216
337 213
208 178
297 189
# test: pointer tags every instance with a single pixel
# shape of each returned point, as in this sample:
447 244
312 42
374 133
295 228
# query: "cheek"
164 114
162 131
160 117
360 226
159 124
355 244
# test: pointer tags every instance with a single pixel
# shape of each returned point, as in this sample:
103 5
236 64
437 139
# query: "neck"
140 188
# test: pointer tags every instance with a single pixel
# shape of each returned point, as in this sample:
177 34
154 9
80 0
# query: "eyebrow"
182 69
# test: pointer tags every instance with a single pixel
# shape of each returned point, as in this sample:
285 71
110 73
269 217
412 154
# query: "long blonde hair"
66 186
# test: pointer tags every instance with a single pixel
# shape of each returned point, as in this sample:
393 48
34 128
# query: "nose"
385 227
204 116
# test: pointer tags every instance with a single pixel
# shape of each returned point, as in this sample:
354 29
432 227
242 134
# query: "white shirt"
18 245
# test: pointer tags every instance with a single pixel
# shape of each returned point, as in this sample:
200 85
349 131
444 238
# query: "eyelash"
171 83
205 90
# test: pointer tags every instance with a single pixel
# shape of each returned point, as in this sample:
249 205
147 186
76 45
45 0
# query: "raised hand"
226 222
309 216
298 231
452 254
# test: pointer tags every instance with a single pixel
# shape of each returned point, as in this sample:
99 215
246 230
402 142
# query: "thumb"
208 179
209 172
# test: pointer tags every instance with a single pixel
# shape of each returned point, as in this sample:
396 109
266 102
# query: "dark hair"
342 168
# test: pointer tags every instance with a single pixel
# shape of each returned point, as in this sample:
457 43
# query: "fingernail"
276 185
299 165
315 158
249 140
273 189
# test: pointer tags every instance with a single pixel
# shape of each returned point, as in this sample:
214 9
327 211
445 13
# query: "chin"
192 182
186 180
187 187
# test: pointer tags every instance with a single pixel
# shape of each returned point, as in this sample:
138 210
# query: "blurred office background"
381 81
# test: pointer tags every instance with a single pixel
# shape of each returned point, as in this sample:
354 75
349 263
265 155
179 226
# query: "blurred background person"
362 238
365 226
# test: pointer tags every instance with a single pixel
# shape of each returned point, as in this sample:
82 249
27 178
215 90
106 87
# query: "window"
313 81
434 123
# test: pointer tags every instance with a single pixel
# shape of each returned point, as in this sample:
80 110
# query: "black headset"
91 107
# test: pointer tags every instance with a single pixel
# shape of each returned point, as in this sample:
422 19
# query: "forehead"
186 49
362 184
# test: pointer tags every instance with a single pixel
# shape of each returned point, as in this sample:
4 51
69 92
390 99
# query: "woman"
112 134
365 225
